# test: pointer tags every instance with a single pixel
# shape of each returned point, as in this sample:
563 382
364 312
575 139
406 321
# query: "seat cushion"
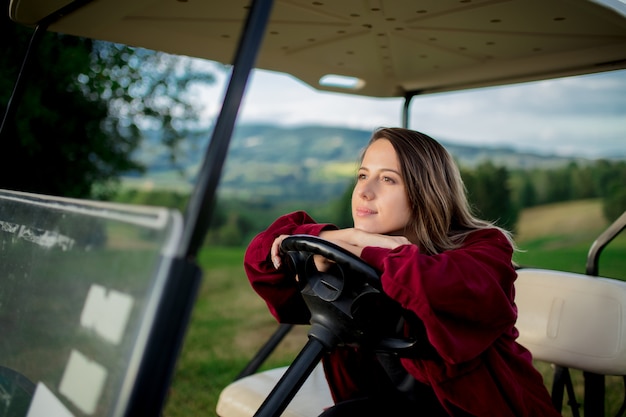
243 397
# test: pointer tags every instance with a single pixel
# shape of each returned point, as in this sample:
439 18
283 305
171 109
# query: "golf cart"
98 333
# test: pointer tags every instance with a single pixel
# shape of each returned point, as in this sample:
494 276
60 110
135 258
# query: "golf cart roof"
388 48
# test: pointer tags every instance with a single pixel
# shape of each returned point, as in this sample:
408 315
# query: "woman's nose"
364 190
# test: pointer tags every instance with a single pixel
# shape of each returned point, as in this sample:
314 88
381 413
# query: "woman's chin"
370 229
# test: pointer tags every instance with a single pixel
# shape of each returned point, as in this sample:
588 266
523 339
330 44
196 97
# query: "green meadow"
230 321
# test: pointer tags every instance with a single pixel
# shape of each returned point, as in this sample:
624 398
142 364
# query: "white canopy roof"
390 46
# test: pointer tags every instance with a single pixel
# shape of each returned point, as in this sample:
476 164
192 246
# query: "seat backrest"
83 286
573 320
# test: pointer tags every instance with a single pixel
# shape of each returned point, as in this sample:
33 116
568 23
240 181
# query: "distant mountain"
310 162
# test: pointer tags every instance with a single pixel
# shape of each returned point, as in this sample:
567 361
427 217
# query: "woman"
450 270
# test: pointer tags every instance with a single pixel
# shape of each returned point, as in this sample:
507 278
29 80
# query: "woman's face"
379 200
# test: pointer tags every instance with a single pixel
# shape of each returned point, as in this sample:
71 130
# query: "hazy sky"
583 116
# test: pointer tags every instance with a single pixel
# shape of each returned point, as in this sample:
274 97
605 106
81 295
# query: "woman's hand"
321 263
275 252
351 239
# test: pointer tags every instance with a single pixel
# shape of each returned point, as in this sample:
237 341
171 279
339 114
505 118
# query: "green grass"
230 321
559 236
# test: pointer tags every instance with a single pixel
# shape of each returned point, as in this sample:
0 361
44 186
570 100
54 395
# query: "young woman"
450 270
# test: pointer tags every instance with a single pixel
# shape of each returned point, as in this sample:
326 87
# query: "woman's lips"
363 211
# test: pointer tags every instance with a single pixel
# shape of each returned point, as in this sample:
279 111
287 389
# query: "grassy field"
230 321
559 236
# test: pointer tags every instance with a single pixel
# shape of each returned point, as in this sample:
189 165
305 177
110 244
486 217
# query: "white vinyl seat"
573 320
243 397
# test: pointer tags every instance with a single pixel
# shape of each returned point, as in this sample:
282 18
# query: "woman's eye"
388 179
361 176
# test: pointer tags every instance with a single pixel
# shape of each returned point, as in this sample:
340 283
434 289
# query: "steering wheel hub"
346 301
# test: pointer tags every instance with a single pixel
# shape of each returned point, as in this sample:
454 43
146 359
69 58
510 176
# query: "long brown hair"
442 216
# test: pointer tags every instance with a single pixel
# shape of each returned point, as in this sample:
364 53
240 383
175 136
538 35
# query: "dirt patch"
577 217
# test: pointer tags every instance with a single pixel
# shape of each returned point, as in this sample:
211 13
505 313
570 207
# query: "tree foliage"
83 109
602 179
489 193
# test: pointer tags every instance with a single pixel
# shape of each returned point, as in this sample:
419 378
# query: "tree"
614 192
582 182
527 194
81 116
490 195
342 208
614 205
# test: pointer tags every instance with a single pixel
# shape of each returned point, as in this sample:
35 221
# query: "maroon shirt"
465 299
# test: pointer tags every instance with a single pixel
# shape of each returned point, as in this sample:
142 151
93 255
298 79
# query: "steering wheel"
348 307
347 304
318 246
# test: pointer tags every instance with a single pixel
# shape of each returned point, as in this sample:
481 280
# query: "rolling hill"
304 163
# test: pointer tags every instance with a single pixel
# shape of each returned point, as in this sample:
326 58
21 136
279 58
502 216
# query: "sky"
573 116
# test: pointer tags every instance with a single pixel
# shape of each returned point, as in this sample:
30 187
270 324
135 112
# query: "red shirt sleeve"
278 287
464 296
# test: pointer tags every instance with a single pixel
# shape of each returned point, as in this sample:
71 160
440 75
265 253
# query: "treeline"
495 193
499 195
603 179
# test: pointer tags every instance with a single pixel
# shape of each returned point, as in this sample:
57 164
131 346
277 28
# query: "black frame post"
200 206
